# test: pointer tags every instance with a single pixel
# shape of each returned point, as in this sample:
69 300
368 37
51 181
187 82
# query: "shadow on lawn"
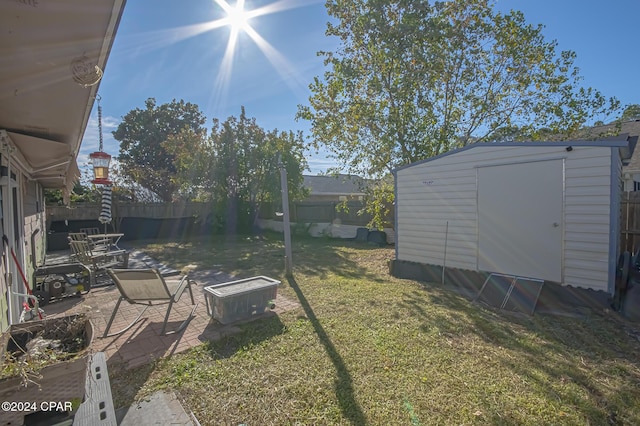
236 336
321 257
344 383
229 339
248 255
125 383
568 350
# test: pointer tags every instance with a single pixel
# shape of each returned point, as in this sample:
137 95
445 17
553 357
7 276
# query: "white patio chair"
147 287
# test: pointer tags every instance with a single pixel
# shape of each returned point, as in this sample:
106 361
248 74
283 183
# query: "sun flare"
238 17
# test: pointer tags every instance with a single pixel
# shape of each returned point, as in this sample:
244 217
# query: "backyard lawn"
367 348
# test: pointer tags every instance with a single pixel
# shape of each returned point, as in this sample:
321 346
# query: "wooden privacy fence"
328 212
85 211
324 212
304 211
630 222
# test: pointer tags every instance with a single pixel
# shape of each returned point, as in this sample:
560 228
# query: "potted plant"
44 361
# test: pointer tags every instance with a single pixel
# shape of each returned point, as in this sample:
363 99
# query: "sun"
238 17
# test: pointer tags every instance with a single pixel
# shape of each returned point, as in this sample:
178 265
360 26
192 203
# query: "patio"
143 343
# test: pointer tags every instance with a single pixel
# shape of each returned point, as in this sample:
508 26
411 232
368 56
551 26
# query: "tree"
236 165
80 194
413 79
143 135
631 112
194 177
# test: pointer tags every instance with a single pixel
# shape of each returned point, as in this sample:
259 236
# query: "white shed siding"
587 218
426 201
432 193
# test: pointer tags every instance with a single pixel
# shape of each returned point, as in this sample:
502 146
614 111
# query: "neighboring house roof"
630 129
334 185
43 111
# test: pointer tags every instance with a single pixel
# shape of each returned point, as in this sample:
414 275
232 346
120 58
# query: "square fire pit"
240 299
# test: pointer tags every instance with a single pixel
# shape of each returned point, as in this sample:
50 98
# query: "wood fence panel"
320 212
304 211
89 211
352 215
630 222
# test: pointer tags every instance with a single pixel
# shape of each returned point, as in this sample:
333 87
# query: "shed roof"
620 141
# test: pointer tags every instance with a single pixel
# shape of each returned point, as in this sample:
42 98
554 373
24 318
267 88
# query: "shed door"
520 224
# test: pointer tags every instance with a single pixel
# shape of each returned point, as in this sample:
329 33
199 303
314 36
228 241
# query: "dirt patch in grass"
367 348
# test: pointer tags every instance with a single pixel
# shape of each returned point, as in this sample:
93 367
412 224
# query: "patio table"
108 239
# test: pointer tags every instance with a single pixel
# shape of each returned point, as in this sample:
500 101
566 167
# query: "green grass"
367 348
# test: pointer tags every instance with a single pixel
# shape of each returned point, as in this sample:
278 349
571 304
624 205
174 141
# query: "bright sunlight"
237 17
238 20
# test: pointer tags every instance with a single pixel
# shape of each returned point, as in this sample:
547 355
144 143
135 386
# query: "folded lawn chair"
147 287
90 231
98 260
97 246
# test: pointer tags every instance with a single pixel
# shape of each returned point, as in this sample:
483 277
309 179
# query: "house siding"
432 193
19 222
34 219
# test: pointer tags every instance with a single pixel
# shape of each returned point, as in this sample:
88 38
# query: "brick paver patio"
143 343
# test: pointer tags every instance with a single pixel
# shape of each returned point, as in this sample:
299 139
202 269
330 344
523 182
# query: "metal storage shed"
545 210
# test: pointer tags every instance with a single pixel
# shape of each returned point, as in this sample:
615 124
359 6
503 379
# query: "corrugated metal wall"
432 193
587 218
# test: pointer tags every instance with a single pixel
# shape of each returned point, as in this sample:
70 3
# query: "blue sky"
161 51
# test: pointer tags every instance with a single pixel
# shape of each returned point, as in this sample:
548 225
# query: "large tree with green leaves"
412 79
237 165
144 134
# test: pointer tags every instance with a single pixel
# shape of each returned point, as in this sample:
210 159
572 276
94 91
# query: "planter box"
237 300
59 382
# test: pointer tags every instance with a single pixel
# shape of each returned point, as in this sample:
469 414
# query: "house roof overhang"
43 110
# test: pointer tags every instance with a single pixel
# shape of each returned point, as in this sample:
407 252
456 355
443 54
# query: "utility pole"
288 260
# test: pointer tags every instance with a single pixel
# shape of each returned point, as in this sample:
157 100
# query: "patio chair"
90 231
147 287
75 236
99 245
98 260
